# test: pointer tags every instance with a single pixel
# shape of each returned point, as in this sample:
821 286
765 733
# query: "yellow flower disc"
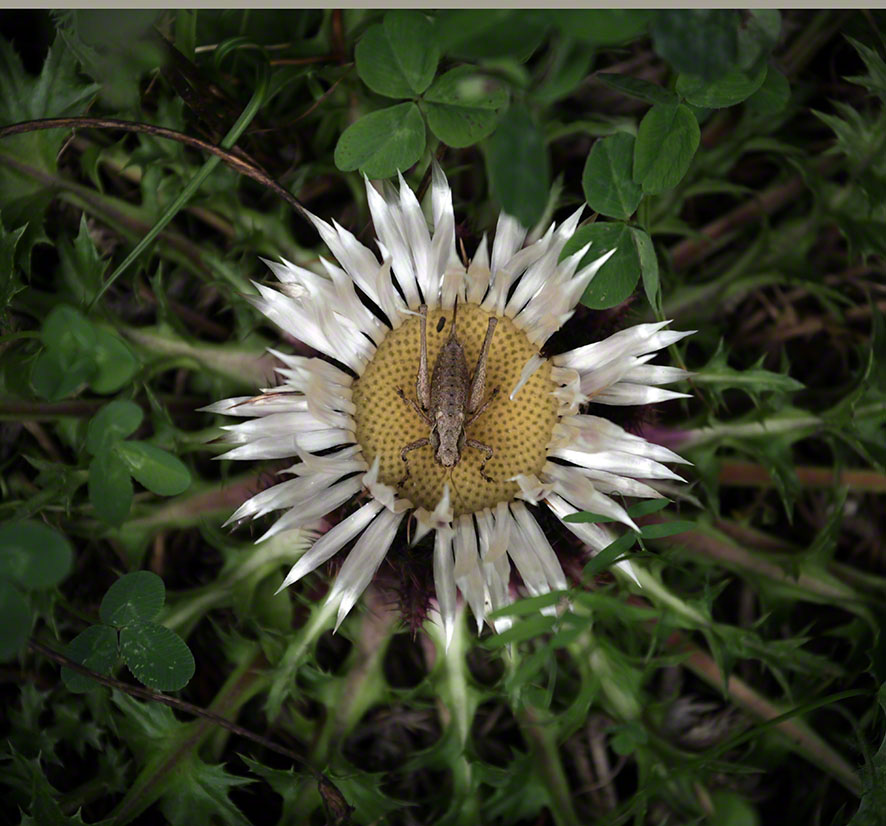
518 431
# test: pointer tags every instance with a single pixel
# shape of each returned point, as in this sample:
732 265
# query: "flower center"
518 431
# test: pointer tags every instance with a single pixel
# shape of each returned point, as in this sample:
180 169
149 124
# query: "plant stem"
750 474
539 728
248 369
801 737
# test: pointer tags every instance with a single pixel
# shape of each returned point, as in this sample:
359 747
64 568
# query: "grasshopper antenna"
452 480
454 315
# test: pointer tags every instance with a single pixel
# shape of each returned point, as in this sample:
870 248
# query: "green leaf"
519 794
10 283
646 507
527 606
15 621
200 794
648 267
134 597
382 143
95 648
113 48
701 114
116 362
873 778
115 421
56 374
875 80
757 37
776 455
619 275
398 58
33 554
58 91
662 529
413 41
610 554
666 142
66 328
858 209
570 66
772 97
857 136
698 41
110 488
491 33
731 809
608 186
518 144
30 777
156 655
728 89
636 87
81 266
627 737
462 106
587 516
602 27
864 237
365 793
529 628
754 380
187 789
78 351
289 785
158 470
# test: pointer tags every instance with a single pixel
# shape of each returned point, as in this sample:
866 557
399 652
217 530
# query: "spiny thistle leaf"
754 381
56 92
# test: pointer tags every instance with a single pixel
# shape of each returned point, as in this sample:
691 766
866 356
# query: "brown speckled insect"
451 401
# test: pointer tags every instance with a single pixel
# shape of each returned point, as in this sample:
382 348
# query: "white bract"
311 410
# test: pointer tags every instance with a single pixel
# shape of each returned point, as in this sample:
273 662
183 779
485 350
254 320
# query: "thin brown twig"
172 702
807 44
236 163
304 61
753 475
132 174
194 319
338 35
693 250
48 411
307 111
43 439
327 787
107 213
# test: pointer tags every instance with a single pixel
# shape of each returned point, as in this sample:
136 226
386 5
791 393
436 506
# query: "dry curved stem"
104 212
37 411
693 250
313 107
231 159
336 806
751 474
803 739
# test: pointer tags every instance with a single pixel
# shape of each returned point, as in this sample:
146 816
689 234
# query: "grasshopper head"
448 455
447 440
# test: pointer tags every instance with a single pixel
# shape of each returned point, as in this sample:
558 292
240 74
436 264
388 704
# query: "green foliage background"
736 161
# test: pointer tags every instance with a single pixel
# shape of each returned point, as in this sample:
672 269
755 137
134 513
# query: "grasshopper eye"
441 323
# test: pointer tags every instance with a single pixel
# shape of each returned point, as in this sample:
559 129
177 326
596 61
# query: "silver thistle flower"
547 452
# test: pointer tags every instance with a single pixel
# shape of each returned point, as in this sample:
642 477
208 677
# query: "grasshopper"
451 401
